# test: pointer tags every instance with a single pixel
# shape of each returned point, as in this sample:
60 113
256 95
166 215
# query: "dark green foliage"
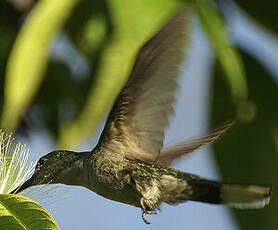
248 153
265 12
9 26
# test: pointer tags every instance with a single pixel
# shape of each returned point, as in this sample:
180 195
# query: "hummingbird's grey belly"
117 191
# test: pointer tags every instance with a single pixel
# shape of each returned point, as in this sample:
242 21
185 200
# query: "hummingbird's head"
57 167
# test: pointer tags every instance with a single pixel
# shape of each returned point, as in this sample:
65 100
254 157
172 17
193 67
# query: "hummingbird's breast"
110 179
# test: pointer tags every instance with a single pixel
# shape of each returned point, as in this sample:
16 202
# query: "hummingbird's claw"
144 216
145 211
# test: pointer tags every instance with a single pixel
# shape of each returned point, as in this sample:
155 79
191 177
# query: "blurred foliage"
28 59
248 153
67 89
226 52
107 36
264 13
9 26
133 23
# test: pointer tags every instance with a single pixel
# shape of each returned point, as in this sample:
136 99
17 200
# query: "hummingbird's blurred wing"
169 154
140 114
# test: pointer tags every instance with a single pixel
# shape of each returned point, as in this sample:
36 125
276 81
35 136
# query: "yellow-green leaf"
29 56
21 213
132 28
228 57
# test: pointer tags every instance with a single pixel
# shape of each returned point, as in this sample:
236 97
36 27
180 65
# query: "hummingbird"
129 164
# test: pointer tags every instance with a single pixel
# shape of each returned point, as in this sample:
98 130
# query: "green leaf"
29 57
21 213
87 30
249 153
89 27
9 29
131 28
227 55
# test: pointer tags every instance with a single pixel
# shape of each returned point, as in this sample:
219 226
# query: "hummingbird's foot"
144 215
145 211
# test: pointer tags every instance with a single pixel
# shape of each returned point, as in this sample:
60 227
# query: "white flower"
14 169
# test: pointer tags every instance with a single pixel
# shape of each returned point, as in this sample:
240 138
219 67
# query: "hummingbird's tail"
179 189
236 195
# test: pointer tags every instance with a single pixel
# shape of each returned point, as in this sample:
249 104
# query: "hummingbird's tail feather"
170 154
236 195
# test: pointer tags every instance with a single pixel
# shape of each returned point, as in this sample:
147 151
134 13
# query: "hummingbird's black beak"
24 186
